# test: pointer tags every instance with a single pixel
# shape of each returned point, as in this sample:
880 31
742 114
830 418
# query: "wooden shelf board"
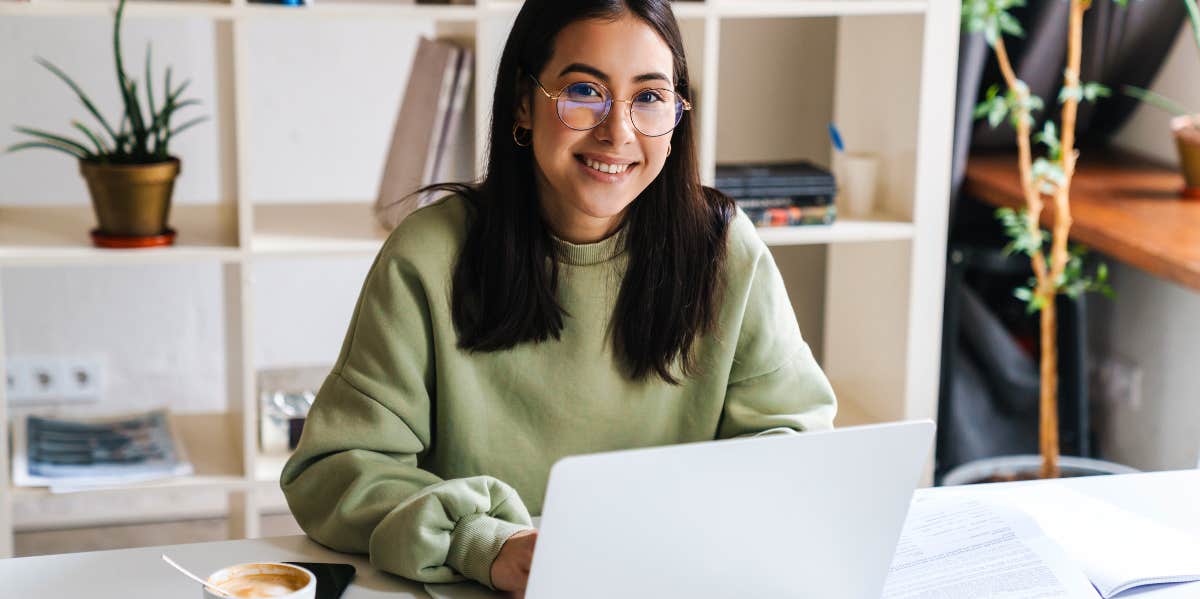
332 228
385 9
817 8
212 445
35 235
268 467
107 8
1121 205
880 228
379 9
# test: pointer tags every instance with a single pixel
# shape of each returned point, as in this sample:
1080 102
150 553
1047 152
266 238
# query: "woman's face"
580 203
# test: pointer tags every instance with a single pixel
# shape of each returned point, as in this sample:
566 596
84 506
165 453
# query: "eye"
584 91
649 96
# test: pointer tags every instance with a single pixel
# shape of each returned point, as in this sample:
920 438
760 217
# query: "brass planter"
1186 130
131 200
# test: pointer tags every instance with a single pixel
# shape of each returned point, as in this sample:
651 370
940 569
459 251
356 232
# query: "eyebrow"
578 67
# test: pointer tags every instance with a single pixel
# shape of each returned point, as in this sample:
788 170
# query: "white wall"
1152 322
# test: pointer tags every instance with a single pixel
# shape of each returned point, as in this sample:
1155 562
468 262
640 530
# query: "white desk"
1172 498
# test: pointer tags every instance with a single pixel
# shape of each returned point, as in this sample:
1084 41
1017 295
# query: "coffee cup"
263 579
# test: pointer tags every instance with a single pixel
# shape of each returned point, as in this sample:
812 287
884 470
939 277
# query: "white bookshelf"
882 285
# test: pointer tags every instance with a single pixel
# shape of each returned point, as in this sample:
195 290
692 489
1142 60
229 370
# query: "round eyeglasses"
584 105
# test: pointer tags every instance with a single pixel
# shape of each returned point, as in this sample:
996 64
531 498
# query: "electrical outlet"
47 379
1118 383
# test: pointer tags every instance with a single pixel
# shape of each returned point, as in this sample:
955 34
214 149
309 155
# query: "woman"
588 295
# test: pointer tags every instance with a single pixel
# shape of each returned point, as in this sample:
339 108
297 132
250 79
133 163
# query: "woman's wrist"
475 543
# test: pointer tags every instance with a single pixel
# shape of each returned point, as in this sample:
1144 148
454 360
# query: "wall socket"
48 379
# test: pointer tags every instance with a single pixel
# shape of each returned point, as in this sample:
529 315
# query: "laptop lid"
816 514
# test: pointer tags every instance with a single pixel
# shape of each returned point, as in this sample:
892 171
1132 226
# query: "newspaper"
67 455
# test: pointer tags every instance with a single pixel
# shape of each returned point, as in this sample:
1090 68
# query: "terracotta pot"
1186 130
131 200
1027 467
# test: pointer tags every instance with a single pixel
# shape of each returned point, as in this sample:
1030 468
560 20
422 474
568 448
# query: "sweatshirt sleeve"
775 384
355 483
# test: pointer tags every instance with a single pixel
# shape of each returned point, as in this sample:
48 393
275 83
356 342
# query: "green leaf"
150 101
1010 25
1049 137
87 103
1070 92
1037 302
996 113
1093 90
1048 175
101 150
187 125
58 139
1156 100
42 144
1016 228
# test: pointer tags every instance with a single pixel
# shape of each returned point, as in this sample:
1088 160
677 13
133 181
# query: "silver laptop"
811 515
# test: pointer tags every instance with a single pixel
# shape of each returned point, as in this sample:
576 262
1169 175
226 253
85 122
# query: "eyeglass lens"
585 105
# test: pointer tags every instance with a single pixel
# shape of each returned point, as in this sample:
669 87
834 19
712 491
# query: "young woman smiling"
587 295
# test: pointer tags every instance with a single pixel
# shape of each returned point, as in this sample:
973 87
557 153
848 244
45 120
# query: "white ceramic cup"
857 180
264 579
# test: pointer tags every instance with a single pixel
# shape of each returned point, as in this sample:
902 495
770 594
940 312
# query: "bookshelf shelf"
133 8
877 305
815 8
734 9
332 228
211 446
841 231
58 235
331 9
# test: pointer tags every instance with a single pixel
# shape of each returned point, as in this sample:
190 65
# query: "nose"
618 128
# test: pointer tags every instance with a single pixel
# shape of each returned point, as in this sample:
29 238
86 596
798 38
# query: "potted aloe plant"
1186 124
1058 269
129 172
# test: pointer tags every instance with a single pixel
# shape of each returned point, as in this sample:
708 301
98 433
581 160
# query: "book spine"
791 216
746 191
784 201
437 143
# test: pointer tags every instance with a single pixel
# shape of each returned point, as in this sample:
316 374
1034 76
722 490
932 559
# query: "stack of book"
427 133
780 194
71 454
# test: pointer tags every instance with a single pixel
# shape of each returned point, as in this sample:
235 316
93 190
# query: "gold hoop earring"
668 149
517 140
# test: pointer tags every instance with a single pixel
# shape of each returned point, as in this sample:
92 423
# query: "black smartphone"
332 579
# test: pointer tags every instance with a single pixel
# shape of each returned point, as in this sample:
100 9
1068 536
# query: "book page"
1116 548
954 546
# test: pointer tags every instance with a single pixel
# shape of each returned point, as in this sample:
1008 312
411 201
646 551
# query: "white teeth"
606 168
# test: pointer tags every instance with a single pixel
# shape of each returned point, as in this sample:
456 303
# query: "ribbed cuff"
474 544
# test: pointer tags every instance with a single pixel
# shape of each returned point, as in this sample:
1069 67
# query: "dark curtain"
989 385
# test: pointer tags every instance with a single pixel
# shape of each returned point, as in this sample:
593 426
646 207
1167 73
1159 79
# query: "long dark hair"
505 282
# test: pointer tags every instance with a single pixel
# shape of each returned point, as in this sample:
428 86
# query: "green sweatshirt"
428 457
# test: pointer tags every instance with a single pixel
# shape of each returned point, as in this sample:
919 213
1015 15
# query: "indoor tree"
1057 268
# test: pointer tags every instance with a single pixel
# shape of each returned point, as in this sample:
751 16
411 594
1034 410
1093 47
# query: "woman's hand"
510 571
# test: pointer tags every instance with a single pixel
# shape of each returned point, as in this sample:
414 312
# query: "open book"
1043 541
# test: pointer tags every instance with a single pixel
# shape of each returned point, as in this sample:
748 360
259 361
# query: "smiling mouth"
600 167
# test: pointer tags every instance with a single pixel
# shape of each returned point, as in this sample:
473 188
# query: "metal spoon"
220 591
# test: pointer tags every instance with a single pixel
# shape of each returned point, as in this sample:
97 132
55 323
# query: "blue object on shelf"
836 137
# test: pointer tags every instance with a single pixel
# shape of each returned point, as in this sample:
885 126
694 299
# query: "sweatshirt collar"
587 254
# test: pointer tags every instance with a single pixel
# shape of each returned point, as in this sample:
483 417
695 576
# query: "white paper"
954 546
1116 548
